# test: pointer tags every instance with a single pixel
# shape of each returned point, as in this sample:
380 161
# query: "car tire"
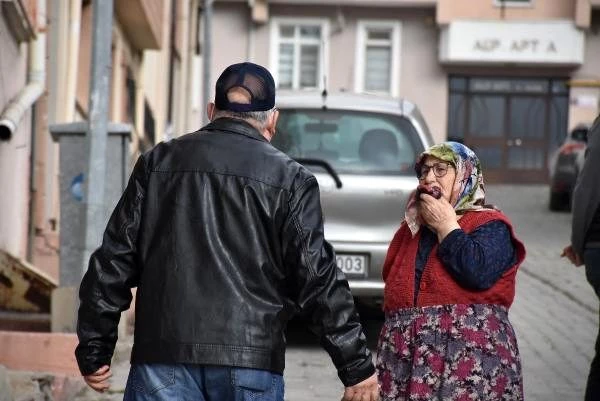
559 201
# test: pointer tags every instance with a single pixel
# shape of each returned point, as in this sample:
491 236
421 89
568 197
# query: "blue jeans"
182 382
591 258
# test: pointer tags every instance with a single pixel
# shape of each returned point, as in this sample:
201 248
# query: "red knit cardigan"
437 286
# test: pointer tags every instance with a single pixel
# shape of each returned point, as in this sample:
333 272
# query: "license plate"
352 264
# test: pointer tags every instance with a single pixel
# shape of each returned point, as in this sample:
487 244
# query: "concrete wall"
423 80
230 31
14 154
84 63
582 108
39 352
155 76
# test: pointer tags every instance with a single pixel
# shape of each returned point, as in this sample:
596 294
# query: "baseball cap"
254 78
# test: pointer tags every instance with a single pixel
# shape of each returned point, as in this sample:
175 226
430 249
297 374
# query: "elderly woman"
449 282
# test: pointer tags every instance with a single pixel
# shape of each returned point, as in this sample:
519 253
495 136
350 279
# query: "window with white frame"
377 57
297 52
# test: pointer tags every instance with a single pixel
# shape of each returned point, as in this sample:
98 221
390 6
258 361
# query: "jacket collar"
235 126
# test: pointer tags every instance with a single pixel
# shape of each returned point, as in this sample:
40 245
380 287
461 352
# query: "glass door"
512 124
526 139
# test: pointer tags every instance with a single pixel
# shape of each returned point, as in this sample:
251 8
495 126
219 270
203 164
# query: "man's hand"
366 390
569 252
99 379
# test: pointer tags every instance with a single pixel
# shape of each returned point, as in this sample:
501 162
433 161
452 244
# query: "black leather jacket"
585 227
222 235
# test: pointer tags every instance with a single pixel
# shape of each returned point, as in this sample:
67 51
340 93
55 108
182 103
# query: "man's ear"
210 110
272 123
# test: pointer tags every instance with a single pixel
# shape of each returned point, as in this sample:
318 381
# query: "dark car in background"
565 165
362 150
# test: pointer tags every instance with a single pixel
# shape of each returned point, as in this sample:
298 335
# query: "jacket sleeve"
586 195
321 290
105 289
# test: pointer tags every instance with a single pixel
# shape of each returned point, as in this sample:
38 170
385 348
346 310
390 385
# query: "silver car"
362 150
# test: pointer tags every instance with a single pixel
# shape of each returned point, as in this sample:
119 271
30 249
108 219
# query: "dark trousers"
591 257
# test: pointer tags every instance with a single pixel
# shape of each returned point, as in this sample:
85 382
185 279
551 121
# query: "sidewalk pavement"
555 312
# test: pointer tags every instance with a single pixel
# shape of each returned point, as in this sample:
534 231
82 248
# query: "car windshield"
350 141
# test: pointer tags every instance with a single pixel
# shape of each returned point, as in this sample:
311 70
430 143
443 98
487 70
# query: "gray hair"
259 117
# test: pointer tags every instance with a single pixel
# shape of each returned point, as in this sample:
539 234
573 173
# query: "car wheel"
559 201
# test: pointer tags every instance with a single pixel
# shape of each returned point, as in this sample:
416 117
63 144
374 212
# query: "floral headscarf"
468 192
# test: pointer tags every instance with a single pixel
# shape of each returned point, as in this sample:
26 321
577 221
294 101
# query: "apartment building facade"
45 74
508 78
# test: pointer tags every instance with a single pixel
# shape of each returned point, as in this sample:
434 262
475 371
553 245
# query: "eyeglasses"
440 169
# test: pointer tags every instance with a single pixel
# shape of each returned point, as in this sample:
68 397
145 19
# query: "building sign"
499 42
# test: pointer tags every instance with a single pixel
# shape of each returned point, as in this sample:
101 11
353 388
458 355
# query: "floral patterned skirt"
449 353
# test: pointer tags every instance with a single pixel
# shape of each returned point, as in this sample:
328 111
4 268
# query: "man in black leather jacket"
222 235
585 237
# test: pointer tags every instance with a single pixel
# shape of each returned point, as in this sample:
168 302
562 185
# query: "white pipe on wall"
72 60
36 78
182 91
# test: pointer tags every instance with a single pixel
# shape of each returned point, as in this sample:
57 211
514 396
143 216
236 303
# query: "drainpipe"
72 60
13 113
207 54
